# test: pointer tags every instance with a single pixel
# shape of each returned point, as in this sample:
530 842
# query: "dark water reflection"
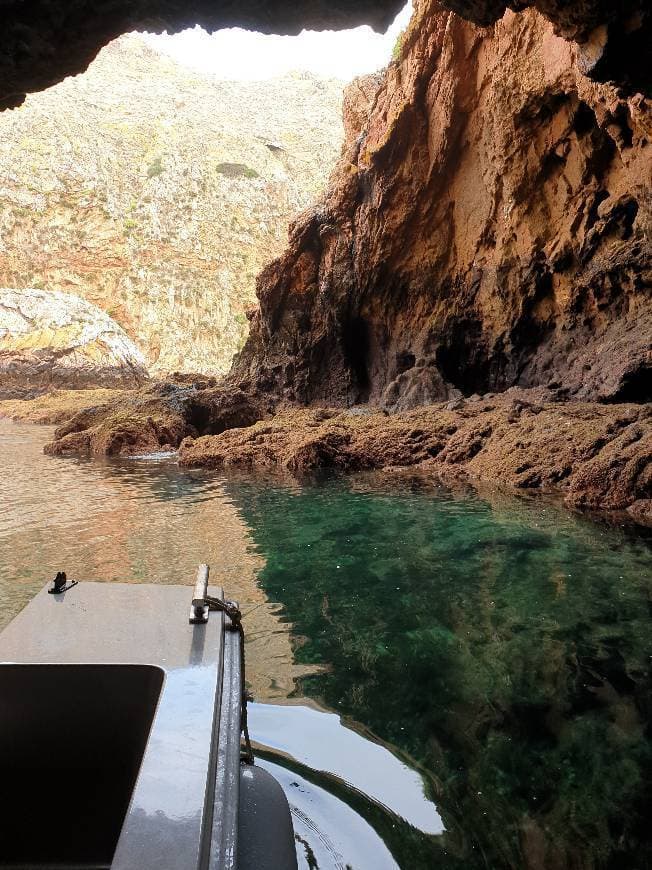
501 650
506 648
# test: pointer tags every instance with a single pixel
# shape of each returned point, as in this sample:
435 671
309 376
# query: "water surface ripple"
447 680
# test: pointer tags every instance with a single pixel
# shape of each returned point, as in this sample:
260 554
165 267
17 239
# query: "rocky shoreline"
597 457
51 408
471 295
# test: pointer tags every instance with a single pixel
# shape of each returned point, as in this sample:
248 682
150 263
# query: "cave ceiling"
615 36
43 41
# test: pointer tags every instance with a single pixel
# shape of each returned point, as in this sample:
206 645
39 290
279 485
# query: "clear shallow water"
486 664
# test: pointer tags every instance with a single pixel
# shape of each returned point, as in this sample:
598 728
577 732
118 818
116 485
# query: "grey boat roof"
134 624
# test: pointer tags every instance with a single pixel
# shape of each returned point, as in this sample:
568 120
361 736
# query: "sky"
242 55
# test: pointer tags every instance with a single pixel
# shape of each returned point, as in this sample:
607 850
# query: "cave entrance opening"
160 182
462 359
355 341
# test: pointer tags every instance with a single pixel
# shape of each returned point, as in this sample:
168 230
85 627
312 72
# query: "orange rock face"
487 226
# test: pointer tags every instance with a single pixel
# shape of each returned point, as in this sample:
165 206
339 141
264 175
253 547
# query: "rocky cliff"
486 232
158 194
488 226
50 339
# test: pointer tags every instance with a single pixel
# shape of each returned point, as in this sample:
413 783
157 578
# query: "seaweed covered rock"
153 419
598 456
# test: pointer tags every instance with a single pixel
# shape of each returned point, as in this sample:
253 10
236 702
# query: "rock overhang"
43 41
615 39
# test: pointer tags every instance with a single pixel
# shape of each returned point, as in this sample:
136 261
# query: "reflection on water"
500 649
134 521
328 830
504 647
318 741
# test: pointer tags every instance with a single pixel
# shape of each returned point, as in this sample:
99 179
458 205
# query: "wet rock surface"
598 456
154 419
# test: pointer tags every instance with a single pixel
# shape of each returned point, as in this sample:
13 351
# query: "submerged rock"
53 339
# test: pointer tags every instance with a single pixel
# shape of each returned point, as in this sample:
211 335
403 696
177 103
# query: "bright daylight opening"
241 55
144 196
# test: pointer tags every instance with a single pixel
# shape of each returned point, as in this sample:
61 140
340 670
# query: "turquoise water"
504 647
447 680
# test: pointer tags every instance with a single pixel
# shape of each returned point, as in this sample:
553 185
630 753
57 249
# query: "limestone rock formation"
56 339
158 194
488 226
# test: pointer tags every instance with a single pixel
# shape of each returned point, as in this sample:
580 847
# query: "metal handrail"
202 604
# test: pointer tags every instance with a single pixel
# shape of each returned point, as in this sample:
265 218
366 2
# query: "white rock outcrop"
54 339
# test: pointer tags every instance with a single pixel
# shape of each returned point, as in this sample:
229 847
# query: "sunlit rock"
158 193
57 339
489 221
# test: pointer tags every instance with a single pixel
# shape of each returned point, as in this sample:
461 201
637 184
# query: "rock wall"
488 226
613 38
56 339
